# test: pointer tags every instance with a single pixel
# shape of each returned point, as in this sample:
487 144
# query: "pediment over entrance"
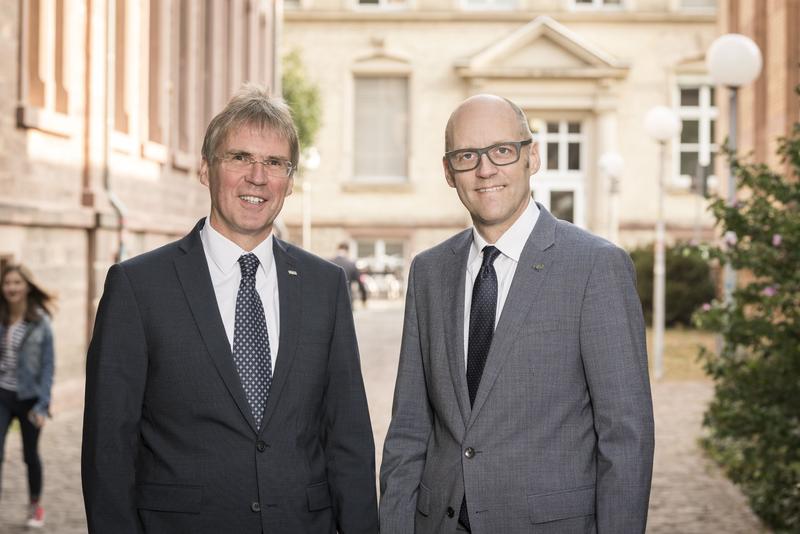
543 48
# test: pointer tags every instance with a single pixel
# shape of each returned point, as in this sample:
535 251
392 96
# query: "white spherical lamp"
733 60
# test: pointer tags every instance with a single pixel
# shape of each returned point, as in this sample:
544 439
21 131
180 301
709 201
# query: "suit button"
255 507
450 511
470 452
261 446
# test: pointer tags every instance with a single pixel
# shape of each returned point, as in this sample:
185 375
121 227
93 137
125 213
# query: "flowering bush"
754 418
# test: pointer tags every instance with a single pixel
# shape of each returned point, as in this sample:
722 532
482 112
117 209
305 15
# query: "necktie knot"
248 263
490 254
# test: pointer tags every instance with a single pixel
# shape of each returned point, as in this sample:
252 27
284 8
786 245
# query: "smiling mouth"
252 200
490 189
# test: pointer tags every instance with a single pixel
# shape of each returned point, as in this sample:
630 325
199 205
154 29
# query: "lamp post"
662 124
733 60
310 163
612 164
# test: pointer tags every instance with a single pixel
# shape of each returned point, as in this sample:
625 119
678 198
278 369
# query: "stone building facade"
585 71
103 104
769 107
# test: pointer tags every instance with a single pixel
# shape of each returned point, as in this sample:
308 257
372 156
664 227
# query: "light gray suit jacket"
560 437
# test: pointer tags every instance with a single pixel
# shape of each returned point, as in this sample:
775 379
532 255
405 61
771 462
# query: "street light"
733 60
612 164
662 124
311 162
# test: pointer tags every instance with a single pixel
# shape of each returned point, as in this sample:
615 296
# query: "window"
383 262
381 129
489 4
382 3
698 116
44 85
121 118
155 79
698 4
559 184
598 4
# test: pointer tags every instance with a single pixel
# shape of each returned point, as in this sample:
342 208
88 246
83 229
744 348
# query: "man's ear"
448 174
203 172
290 186
534 161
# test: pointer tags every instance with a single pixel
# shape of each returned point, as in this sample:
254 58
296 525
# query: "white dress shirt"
510 246
222 256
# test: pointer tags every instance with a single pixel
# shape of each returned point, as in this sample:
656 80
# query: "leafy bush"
754 418
688 282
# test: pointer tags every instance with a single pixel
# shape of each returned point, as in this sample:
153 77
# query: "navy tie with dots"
251 341
481 329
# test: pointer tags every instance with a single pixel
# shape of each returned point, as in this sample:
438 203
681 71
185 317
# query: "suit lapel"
193 274
454 278
534 263
289 285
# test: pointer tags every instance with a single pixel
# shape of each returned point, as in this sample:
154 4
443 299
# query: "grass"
681 347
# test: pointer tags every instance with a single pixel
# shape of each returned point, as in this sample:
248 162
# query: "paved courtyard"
690 495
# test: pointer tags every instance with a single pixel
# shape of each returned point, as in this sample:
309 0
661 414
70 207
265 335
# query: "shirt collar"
225 253
513 240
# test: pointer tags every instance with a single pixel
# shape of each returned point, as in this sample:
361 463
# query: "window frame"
705 112
372 179
598 5
546 182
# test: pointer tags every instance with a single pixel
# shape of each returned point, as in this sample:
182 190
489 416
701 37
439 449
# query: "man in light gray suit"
522 401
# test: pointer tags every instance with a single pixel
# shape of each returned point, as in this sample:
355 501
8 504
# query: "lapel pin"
539 266
293 273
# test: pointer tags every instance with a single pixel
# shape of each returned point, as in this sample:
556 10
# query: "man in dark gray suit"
223 384
522 401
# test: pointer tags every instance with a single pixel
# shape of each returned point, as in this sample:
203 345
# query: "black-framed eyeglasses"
504 153
243 161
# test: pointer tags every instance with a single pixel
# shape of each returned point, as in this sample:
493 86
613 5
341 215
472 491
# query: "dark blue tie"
481 329
250 340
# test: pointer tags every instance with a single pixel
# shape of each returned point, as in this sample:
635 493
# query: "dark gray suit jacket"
560 437
169 441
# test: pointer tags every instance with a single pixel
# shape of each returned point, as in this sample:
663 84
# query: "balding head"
486 103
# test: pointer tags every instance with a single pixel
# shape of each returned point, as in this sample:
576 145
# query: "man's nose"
485 167
258 174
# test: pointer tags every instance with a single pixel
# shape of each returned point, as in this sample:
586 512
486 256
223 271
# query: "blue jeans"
11 407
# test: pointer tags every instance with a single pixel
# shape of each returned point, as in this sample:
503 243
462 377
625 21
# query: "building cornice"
291 16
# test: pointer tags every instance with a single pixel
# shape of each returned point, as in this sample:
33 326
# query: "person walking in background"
223 382
351 271
26 371
522 402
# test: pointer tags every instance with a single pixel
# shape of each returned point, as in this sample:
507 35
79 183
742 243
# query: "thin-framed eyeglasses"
243 161
499 154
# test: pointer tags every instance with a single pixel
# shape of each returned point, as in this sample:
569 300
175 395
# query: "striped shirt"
9 350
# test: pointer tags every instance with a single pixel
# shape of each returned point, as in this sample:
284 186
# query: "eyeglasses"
243 162
504 153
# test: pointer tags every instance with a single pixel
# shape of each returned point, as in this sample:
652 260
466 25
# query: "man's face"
494 195
245 203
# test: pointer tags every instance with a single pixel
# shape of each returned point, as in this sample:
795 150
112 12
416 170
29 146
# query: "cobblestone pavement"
690 495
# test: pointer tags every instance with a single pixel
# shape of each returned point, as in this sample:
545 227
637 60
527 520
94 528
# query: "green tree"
754 418
303 98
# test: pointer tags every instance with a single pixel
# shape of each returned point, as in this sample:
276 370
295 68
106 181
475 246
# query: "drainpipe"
116 203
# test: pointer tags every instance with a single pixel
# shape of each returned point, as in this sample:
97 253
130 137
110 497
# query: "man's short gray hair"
252 106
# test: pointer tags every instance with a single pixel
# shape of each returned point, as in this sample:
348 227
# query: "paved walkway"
690 496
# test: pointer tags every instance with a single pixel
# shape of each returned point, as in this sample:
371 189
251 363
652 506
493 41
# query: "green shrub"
754 418
688 282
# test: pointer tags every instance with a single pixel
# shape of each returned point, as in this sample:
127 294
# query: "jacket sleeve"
347 437
614 353
116 371
412 422
45 385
